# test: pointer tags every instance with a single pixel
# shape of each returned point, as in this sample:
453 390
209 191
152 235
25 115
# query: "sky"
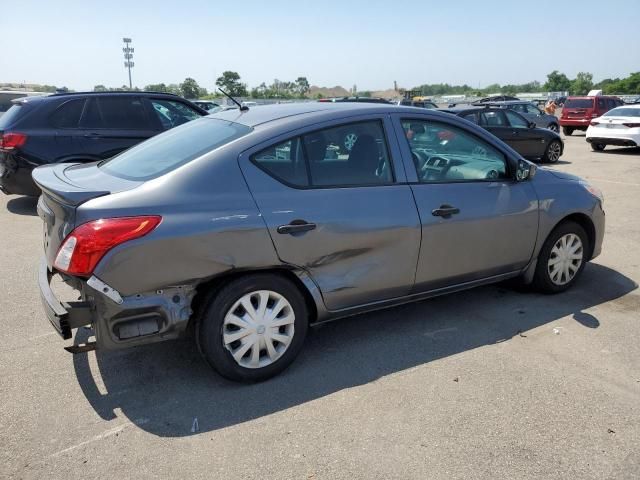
78 44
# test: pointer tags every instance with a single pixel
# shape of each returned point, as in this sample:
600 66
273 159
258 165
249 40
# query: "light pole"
128 57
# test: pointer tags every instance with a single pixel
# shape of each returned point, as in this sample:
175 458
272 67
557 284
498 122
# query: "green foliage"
581 84
189 88
557 82
230 83
282 89
629 85
156 87
100 88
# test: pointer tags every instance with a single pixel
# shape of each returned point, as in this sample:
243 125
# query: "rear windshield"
9 116
169 150
617 112
579 103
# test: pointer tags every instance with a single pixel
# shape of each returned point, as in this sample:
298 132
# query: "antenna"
243 108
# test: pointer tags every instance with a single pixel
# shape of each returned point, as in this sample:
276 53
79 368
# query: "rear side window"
123 113
10 116
169 150
494 118
68 114
354 154
579 103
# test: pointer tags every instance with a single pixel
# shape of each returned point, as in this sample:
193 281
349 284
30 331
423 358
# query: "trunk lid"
64 188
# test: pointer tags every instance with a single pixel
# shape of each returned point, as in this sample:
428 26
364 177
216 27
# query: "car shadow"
168 390
621 150
23 206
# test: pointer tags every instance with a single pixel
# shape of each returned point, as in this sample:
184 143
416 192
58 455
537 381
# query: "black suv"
84 127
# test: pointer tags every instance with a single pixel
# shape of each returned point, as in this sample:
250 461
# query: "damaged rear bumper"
118 321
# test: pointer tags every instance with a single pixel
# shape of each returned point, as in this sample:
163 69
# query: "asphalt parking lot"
489 383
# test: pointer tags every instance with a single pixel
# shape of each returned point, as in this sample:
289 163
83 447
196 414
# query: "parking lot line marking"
105 434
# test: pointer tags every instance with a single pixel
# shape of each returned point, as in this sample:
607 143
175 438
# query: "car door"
495 121
111 124
348 218
535 115
69 139
477 220
530 142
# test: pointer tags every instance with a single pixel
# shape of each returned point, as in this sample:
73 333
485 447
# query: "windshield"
623 112
169 150
579 103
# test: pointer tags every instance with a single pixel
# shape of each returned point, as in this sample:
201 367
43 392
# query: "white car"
619 126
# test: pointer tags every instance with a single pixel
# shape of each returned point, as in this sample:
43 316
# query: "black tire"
598 147
542 279
554 127
553 152
209 329
567 131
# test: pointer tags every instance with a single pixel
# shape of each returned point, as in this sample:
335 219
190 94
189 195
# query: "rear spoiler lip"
50 181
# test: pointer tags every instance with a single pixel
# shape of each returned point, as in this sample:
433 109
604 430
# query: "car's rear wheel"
562 258
598 147
253 327
554 127
553 152
567 131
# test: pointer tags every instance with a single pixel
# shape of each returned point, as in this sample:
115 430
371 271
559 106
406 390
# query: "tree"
189 88
302 86
230 83
174 88
99 88
557 82
582 83
156 87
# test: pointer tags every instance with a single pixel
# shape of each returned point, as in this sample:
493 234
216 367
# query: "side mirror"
525 170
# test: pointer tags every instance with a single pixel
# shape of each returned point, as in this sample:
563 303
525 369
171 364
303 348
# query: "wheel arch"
208 289
585 222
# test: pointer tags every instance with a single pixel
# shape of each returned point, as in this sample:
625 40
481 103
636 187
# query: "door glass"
123 113
285 162
348 155
91 118
68 114
516 120
172 113
493 118
532 109
443 153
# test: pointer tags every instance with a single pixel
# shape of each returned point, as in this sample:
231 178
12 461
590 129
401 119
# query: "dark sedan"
512 128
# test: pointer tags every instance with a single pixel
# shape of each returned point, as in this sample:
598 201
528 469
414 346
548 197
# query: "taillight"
632 125
593 124
86 245
11 140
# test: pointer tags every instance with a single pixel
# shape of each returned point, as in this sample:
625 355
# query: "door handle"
296 226
445 211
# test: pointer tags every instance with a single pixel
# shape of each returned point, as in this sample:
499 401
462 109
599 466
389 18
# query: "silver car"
531 112
247 227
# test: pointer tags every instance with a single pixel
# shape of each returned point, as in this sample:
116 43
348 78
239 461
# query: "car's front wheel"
554 127
562 258
253 327
598 147
567 131
553 152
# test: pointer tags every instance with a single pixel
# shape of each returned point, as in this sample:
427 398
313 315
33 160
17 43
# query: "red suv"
577 112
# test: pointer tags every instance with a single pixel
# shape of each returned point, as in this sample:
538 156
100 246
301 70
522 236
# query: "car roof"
507 102
44 98
472 108
292 111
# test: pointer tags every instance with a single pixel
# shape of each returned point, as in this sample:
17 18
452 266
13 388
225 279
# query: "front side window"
516 120
172 113
68 114
169 150
443 153
355 154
